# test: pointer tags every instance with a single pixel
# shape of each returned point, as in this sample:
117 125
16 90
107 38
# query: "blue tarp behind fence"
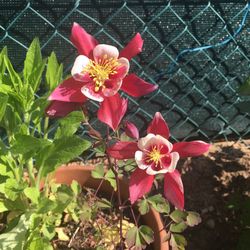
196 51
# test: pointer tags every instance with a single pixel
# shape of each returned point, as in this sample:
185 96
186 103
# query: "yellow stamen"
101 70
154 155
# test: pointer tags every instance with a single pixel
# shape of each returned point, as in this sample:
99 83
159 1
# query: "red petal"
158 126
173 189
112 110
140 183
131 130
83 41
133 47
193 148
61 109
68 91
136 87
123 150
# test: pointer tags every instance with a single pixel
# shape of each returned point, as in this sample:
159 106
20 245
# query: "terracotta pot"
82 174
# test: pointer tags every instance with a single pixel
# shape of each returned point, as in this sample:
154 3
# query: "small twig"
73 236
133 214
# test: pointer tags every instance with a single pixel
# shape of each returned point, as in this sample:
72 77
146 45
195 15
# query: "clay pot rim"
159 243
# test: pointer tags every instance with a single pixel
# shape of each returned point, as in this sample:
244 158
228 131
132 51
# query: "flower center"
101 70
154 155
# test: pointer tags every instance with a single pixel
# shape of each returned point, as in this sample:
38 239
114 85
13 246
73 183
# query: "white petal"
90 93
80 63
103 49
142 142
175 158
139 160
124 62
150 171
152 140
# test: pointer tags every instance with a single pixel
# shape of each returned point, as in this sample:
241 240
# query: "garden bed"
216 185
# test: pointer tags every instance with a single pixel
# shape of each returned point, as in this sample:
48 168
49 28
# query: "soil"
212 184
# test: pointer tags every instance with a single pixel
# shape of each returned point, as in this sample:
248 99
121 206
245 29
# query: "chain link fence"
197 92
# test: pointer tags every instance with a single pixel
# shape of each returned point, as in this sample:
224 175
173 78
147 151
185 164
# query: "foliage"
35 146
28 149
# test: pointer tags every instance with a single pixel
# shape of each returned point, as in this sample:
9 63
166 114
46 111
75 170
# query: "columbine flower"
154 154
100 71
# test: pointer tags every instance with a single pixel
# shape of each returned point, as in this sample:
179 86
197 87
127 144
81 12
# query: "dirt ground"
212 182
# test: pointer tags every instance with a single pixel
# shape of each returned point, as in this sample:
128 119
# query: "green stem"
31 174
46 125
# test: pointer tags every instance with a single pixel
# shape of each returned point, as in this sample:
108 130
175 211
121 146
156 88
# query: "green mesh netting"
197 98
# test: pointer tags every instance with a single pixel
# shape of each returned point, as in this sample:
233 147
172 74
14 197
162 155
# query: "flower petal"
139 158
77 71
136 87
112 110
108 51
61 109
152 140
140 183
123 68
83 41
174 160
158 126
133 47
88 91
193 148
111 87
68 91
131 130
173 189
122 150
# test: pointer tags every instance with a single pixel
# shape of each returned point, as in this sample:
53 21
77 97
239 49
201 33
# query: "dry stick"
73 236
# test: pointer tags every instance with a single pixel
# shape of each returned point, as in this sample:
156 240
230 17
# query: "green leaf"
110 177
12 189
69 124
2 64
54 72
104 203
15 239
61 235
193 219
178 215
159 203
178 241
46 205
143 206
15 78
33 65
147 234
32 193
98 172
3 207
61 151
131 237
178 228
48 231
28 145
75 187
139 237
3 100
39 243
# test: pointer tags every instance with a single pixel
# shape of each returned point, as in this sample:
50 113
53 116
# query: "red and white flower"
99 71
154 154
